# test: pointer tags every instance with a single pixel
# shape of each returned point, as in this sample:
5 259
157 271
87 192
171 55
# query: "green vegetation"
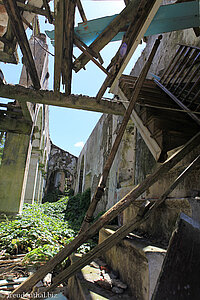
43 229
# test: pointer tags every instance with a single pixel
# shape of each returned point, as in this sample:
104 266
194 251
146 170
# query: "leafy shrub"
76 209
43 229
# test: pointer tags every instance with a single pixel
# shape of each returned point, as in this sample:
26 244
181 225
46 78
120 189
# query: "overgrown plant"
43 229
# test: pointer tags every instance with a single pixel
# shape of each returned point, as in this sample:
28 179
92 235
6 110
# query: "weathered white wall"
94 155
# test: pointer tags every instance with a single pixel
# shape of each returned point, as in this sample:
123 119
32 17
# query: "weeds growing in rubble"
43 229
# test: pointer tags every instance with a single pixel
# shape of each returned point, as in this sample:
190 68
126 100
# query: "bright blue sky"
69 129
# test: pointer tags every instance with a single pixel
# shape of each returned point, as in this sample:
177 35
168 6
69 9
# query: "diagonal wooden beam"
82 102
85 49
145 18
18 28
81 11
31 8
127 14
48 11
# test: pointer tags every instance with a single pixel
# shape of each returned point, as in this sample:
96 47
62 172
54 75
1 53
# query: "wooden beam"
78 44
126 16
68 45
21 93
109 215
180 103
26 22
107 82
81 11
10 48
108 164
8 58
89 50
48 11
150 9
128 41
31 8
18 28
15 125
59 36
145 133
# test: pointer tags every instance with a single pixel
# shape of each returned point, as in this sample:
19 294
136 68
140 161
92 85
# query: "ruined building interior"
141 161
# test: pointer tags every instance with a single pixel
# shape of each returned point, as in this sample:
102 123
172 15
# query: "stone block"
160 224
137 261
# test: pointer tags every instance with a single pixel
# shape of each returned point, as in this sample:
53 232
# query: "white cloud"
79 144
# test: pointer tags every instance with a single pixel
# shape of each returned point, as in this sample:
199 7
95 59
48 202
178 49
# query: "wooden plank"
145 133
68 45
18 28
89 50
21 93
127 14
108 164
59 36
137 35
110 214
107 82
170 17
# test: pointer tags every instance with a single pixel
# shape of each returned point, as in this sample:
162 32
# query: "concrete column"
32 177
12 173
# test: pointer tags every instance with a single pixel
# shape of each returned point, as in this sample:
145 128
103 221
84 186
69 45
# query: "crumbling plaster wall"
60 163
94 155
